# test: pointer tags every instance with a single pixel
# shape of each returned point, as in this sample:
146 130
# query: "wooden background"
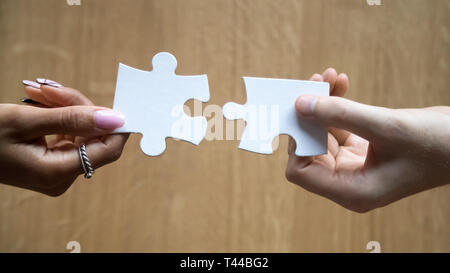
215 197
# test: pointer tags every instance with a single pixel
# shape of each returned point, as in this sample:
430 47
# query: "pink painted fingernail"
31 83
109 119
306 104
48 82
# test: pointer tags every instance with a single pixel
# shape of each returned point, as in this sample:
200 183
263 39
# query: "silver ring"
85 163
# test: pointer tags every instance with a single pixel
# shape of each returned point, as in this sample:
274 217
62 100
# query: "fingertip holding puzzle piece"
152 102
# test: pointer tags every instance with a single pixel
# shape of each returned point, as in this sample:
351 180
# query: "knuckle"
56 187
11 116
69 100
77 98
57 192
358 195
339 111
114 153
361 202
114 148
332 109
291 174
358 204
53 194
68 119
296 174
363 206
362 209
71 119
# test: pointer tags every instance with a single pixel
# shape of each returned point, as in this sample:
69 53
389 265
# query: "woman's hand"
30 159
375 155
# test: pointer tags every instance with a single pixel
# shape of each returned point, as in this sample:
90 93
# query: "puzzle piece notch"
152 102
270 111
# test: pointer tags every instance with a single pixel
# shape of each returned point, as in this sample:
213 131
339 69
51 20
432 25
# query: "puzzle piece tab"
152 102
270 111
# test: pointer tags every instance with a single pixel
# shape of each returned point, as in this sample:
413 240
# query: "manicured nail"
306 104
48 82
31 83
28 101
109 119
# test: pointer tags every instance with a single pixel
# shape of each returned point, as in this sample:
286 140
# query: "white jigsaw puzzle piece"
152 102
270 111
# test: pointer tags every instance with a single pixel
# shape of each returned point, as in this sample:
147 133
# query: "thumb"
87 121
364 120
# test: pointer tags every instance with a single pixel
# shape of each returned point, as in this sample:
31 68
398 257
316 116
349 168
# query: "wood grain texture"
215 197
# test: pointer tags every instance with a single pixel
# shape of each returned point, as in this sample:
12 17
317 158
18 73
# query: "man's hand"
376 155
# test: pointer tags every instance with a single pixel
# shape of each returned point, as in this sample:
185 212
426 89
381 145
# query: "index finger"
64 96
